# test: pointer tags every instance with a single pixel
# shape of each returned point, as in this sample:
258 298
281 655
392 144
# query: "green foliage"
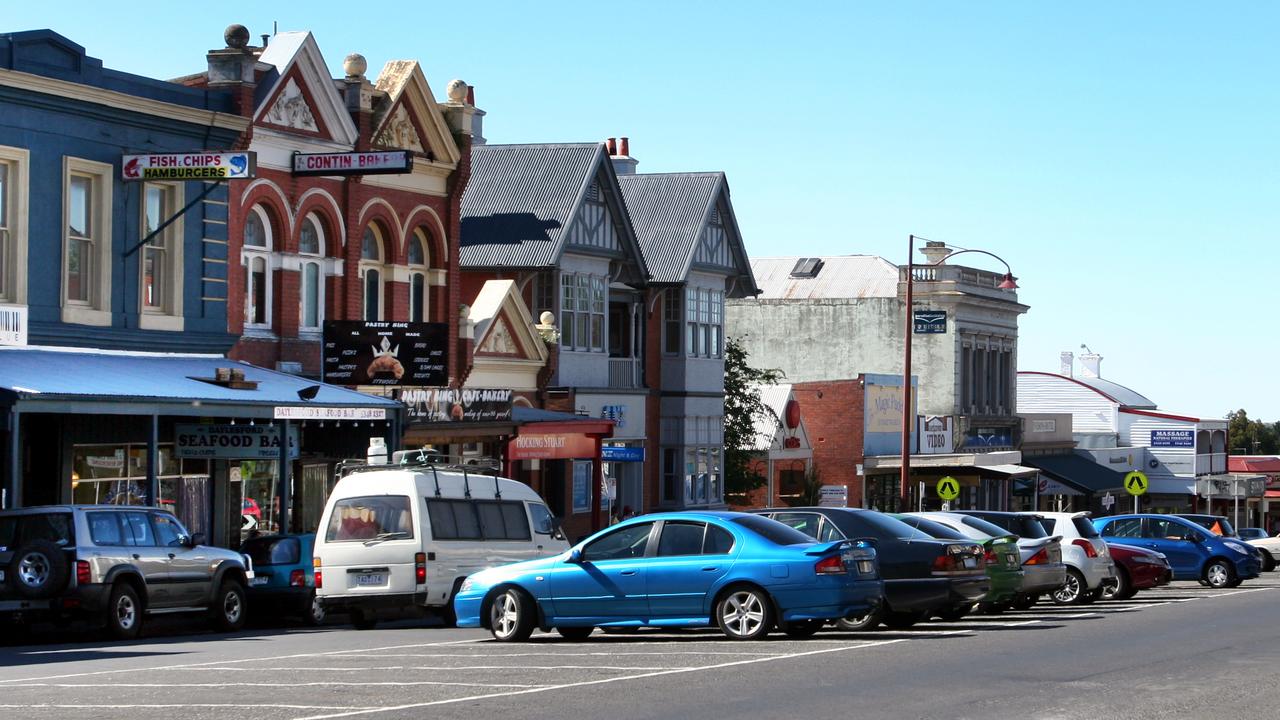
742 406
1251 437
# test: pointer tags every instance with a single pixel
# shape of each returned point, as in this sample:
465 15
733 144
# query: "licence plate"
971 562
371 579
866 567
258 581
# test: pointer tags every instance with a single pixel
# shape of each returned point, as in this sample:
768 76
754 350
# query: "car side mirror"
575 556
193 540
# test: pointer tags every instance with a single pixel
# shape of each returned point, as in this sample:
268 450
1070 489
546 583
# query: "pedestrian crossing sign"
1135 483
948 488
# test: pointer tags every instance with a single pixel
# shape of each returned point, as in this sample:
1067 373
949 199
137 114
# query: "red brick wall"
835 426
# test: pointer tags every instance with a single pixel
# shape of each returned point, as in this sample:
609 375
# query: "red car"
1136 569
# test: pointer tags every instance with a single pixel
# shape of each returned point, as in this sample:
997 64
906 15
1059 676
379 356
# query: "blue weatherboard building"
69 225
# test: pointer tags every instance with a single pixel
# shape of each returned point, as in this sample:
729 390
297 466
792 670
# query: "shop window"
117 475
13 224
86 250
582 482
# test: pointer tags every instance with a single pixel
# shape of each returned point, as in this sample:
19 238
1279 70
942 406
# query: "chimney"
1090 363
623 163
1067 362
935 252
231 68
612 145
461 112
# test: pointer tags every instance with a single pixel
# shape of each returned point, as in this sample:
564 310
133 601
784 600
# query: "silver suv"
116 563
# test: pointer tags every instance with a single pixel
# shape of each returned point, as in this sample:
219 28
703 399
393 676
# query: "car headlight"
467 585
1237 547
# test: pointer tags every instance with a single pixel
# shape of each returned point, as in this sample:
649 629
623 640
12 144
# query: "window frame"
376 265
96 308
13 224
167 315
264 252
419 297
311 259
584 313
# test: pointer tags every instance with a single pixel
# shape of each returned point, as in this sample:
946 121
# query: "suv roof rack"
423 460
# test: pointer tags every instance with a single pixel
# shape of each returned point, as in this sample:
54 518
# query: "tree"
1251 437
742 407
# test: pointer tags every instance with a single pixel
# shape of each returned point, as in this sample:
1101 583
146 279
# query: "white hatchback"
1088 560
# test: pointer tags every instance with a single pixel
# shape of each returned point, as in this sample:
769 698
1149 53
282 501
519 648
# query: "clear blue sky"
1121 156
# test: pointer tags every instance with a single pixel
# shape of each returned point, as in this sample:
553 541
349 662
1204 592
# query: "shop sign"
13 325
1044 426
232 442
581 486
622 453
935 434
1231 487
551 446
353 163
190 166
317 412
616 413
929 322
989 438
884 408
833 496
429 405
395 354
1173 438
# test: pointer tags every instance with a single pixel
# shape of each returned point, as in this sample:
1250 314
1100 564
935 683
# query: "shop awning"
58 380
1078 471
1011 471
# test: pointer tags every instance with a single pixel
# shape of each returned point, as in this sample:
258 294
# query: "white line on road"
550 653
336 683
1239 592
439 668
586 683
255 706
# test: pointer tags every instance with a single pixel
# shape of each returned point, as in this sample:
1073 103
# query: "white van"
397 537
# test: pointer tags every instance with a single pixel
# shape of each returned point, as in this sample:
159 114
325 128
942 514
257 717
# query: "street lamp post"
1008 282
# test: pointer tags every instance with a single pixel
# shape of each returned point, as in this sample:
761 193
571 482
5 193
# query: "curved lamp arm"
1008 282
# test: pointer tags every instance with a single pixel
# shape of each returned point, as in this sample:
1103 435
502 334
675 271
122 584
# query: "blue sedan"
744 573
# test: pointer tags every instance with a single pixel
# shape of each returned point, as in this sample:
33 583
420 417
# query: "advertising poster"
389 354
582 486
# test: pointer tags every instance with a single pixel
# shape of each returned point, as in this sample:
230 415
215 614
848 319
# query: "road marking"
6 682
568 654
603 681
404 683
382 668
1239 592
66 706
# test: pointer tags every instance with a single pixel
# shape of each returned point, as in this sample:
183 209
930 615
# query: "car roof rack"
426 460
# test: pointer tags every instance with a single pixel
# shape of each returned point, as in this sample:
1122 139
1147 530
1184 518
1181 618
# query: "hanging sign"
353 163
358 352
548 446
929 322
231 442
190 166
316 412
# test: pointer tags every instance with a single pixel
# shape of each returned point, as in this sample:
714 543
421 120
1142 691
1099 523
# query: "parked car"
283 577
1003 564
1042 566
1193 552
1267 544
403 538
1221 526
116 564
1137 568
741 572
1089 564
922 575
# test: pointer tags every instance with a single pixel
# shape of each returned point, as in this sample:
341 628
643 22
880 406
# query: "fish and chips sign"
190 166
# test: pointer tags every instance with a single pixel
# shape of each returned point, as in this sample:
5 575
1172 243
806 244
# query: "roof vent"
807 268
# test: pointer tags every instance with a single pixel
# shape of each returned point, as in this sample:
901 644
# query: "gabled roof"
521 201
296 54
515 324
767 424
670 211
838 277
406 87
1269 464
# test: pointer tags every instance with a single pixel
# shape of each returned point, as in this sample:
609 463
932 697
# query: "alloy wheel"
1069 592
232 607
505 615
743 613
1218 575
126 612
33 569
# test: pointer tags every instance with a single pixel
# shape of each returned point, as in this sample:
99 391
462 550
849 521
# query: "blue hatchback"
744 573
1193 552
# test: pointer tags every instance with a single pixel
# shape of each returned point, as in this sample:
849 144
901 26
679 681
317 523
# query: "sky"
1121 157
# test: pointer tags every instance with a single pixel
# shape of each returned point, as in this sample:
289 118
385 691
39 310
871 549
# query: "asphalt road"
1185 651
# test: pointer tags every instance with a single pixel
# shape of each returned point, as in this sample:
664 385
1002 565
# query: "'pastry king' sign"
395 354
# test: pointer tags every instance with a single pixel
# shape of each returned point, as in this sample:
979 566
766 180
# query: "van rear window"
478 519
366 518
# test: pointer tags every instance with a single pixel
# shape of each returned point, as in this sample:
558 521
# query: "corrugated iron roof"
519 201
773 397
840 276
669 211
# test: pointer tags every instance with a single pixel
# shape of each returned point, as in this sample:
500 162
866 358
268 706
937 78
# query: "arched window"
372 257
256 259
418 283
311 295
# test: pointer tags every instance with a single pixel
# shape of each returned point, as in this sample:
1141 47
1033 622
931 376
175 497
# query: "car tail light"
991 557
319 579
1089 550
1040 558
420 568
297 578
82 572
833 565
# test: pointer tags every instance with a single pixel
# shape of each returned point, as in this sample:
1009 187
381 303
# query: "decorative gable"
292 110
400 131
594 225
509 352
499 341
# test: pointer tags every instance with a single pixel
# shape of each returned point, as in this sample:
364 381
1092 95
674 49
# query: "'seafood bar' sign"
190 166
352 163
551 446
314 412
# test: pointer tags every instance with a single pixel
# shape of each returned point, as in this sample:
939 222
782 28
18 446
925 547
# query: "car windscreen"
773 531
1252 533
933 529
991 529
880 527
368 518
1084 527
273 550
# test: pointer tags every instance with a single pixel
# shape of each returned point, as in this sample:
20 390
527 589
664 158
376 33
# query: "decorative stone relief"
291 110
399 132
500 340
